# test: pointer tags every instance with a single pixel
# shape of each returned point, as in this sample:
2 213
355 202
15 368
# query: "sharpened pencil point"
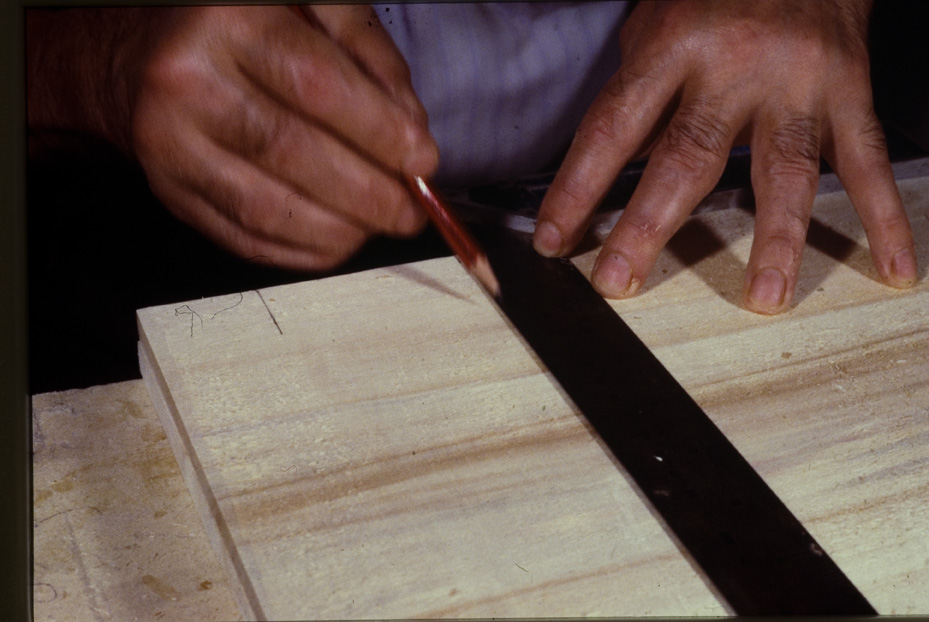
455 234
484 274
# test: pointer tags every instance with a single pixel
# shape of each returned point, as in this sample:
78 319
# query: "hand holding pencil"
280 136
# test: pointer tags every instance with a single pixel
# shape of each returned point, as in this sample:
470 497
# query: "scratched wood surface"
381 445
115 532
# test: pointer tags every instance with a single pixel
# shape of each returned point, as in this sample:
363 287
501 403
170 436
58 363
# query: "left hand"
790 78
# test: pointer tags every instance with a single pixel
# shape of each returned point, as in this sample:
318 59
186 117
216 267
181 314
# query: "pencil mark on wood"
36 523
241 298
186 310
273 319
44 592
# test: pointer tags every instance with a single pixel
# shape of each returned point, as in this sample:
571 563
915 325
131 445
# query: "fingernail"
547 239
767 290
612 276
903 267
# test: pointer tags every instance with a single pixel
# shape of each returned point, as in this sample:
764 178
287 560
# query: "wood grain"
381 445
115 534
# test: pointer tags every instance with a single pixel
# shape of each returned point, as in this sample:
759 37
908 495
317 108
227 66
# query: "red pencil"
458 238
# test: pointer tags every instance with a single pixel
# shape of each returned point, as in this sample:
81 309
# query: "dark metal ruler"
748 544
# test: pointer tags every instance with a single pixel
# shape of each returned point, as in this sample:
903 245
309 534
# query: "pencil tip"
485 275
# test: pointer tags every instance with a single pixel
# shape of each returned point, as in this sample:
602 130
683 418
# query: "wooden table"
407 507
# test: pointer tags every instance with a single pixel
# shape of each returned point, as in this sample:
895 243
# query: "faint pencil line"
193 314
273 319
241 298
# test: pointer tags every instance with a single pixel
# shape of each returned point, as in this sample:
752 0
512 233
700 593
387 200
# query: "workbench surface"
116 535
829 403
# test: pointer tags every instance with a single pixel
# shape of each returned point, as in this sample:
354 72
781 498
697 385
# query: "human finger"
346 239
359 30
241 208
858 154
685 165
785 174
615 127
310 159
311 74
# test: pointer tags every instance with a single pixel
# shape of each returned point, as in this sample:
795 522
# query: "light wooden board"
381 445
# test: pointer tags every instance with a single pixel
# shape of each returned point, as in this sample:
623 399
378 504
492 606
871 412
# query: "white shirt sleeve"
505 84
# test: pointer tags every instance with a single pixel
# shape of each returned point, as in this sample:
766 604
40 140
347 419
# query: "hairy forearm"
77 76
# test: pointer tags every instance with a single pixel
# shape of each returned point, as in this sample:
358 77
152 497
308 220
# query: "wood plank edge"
211 516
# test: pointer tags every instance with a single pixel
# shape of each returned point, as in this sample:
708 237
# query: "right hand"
280 135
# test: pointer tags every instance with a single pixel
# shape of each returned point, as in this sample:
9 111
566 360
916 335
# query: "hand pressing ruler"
746 541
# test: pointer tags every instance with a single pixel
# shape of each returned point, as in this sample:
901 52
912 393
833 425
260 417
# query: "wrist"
79 70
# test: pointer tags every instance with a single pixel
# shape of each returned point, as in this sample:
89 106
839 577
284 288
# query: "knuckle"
797 140
698 127
575 195
897 225
871 135
172 63
792 153
610 113
601 126
321 81
248 214
886 221
785 247
255 132
796 224
251 216
697 137
168 68
249 248
788 236
859 148
642 227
